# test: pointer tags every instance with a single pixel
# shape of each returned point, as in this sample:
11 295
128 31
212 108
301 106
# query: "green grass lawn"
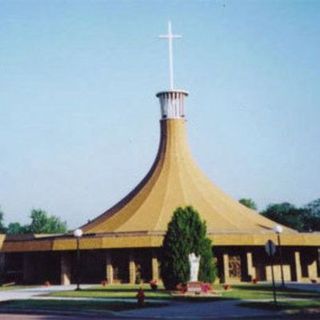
115 291
105 304
256 292
241 292
288 299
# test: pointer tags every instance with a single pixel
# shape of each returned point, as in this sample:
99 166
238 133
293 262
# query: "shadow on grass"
237 292
77 306
130 294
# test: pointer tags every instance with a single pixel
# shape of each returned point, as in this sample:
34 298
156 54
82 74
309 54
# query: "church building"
123 244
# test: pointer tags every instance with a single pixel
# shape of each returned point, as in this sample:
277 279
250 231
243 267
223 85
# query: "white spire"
170 37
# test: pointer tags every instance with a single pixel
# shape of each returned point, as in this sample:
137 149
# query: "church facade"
123 245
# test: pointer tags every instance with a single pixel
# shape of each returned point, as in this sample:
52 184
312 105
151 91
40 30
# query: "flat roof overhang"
144 239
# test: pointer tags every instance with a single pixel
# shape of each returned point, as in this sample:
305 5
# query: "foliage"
208 270
2 226
17 228
285 213
314 207
312 218
302 219
186 234
42 223
248 203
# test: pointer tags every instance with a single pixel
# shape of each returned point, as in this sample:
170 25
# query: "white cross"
170 37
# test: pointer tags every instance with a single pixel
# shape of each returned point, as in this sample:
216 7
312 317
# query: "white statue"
194 263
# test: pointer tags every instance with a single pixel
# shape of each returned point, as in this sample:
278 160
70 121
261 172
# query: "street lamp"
78 234
278 229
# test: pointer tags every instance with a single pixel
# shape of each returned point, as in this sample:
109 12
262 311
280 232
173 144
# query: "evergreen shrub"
186 234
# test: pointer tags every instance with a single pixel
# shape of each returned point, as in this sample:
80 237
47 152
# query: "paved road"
198 310
53 317
39 317
49 317
175 310
304 286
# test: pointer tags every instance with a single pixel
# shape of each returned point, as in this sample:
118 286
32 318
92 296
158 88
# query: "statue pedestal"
194 287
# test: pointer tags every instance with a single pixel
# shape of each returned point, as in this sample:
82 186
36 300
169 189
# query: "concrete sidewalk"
28 293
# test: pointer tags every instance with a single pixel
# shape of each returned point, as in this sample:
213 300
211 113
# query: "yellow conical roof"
175 180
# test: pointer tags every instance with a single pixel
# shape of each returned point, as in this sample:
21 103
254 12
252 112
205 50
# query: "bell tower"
172 103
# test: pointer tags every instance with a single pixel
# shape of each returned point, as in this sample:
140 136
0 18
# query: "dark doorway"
120 263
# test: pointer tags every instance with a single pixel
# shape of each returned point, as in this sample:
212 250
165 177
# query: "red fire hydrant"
140 297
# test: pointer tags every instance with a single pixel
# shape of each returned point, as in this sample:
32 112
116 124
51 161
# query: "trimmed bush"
186 234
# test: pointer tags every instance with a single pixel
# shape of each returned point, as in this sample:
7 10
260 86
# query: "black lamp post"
278 229
78 234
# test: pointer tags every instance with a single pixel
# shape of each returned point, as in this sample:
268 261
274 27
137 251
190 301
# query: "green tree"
208 269
287 214
311 216
186 234
248 203
17 228
41 222
314 207
2 226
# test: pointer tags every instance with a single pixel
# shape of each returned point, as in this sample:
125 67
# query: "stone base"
197 295
196 290
194 287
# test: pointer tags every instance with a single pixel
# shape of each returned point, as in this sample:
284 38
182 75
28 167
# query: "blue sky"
79 118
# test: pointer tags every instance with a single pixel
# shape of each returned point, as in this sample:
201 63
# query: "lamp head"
78 233
278 229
